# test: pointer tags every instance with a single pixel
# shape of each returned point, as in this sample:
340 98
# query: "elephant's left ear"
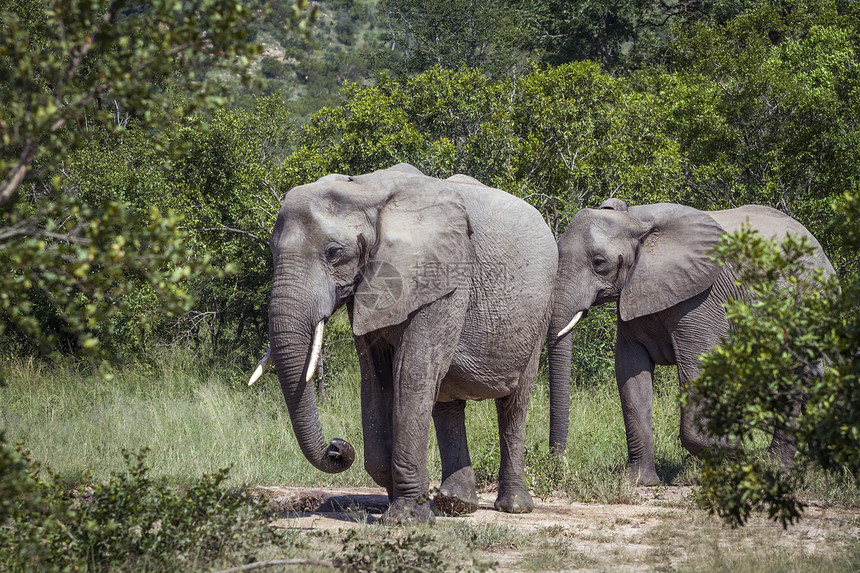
674 261
423 252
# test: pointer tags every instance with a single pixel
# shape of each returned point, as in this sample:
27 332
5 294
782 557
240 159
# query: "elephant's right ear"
423 252
674 261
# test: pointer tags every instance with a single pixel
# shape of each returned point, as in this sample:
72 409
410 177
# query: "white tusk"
261 367
570 325
315 351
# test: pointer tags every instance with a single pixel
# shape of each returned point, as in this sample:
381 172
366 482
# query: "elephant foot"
404 510
641 475
457 495
514 499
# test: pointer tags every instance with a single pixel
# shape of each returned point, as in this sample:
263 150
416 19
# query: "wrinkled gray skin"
427 340
655 261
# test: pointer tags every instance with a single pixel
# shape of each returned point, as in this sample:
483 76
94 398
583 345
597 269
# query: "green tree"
490 35
562 137
577 136
776 340
227 191
620 35
764 108
73 72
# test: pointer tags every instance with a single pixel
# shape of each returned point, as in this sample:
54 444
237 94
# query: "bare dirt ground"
665 531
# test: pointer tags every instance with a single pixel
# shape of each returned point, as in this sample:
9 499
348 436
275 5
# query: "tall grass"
197 418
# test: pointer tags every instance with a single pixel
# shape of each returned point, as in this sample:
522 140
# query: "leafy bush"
748 383
274 68
414 552
132 520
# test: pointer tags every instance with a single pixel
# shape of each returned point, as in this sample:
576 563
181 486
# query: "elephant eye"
333 253
598 261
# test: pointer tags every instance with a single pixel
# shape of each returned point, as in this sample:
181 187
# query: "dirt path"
664 531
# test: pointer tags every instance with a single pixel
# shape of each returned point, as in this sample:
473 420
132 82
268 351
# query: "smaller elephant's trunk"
559 353
566 313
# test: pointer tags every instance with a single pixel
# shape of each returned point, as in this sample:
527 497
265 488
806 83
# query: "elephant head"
358 241
646 259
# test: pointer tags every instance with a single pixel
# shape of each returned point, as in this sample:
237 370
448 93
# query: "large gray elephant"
447 284
656 262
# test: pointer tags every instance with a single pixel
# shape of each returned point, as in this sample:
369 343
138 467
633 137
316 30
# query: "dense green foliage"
777 340
130 521
732 118
73 75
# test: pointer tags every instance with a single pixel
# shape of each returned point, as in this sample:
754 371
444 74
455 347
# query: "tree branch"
18 172
260 240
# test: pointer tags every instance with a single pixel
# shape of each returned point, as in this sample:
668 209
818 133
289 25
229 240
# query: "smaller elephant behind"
656 262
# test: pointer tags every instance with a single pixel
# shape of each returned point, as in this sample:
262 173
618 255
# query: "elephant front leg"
457 494
634 372
422 359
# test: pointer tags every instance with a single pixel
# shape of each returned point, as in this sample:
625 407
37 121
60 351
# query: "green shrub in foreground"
132 520
749 382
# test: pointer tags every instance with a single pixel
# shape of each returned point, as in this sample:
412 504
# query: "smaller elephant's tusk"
570 325
315 351
261 367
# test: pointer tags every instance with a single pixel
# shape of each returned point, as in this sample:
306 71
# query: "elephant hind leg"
457 494
782 449
693 436
511 410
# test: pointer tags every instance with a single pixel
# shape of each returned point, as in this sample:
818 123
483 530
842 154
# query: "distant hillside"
310 71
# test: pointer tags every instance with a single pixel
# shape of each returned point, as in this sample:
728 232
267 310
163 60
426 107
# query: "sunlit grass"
197 418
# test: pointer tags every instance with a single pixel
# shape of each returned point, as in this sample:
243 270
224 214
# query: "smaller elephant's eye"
333 253
598 261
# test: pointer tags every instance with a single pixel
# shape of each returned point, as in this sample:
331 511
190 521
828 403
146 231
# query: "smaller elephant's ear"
423 252
674 261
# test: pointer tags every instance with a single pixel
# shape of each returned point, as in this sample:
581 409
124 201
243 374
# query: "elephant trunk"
291 325
568 308
558 356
